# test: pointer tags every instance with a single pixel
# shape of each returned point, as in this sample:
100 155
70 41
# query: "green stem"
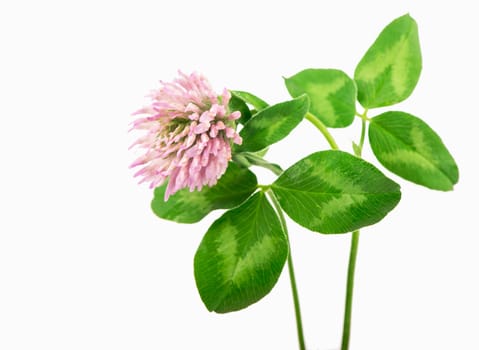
349 290
297 310
359 150
363 115
323 129
352 255
254 159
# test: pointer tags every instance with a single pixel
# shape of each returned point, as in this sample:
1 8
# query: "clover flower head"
188 134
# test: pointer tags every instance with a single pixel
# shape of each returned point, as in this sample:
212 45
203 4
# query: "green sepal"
253 100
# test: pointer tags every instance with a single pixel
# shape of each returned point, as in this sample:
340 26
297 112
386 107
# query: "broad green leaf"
331 92
241 256
232 189
250 99
335 192
390 69
237 104
272 124
408 147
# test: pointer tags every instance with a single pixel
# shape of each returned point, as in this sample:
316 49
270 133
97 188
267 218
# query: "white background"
84 264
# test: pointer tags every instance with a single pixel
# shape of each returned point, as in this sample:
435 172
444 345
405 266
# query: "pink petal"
201 128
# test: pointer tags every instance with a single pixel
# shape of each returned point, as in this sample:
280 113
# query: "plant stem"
297 310
323 129
349 290
352 254
358 152
276 169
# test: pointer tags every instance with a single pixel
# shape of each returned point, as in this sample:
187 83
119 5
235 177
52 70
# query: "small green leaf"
335 192
273 124
408 147
232 189
331 92
241 256
356 149
250 99
237 104
390 69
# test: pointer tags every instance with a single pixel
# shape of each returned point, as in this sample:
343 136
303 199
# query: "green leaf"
237 104
241 256
272 124
331 92
408 147
335 192
356 149
390 69
250 99
232 189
